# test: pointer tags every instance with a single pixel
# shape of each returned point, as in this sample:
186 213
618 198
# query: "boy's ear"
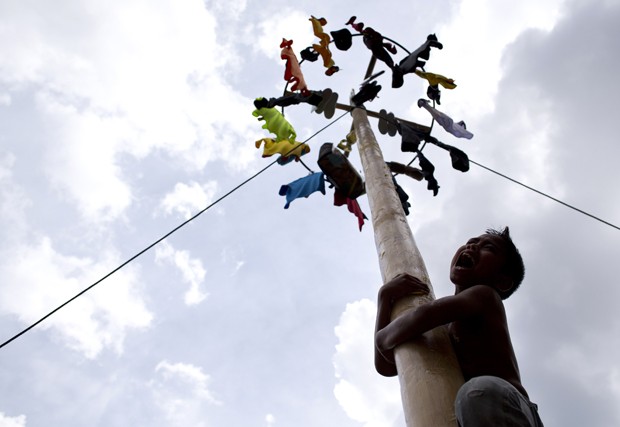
505 283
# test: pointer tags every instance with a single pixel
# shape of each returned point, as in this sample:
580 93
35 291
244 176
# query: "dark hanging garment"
460 161
403 196
343 39
340 172
411 138
428 169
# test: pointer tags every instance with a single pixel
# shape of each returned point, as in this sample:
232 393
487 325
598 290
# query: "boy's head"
490 259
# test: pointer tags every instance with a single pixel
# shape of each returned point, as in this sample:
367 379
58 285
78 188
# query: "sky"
120 121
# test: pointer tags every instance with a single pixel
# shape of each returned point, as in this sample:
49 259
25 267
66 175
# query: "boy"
486 270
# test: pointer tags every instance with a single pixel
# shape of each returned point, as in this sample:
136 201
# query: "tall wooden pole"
428 370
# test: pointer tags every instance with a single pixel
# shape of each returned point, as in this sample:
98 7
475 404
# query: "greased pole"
428 370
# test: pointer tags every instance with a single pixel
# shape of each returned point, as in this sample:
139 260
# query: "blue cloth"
303 187
492 401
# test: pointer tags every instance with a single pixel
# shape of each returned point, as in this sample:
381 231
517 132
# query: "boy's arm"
468 303
395 289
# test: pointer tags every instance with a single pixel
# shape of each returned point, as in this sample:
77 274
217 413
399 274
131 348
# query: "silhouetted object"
276 124
436 79
340 172
457 129
427 170
303 187
323 47
346 145
460 161
434 93
387 123
354 207
403 196
292 71
410 63
359 27
314 98
309 54
401 169
327 106
374 41
411 138
368 92
343 39
288 150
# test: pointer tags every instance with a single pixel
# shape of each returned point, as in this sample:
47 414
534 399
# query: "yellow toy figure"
276 124
323 47
435 79
285 148
292 72
347 144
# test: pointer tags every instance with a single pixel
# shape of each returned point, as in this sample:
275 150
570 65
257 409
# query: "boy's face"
479 262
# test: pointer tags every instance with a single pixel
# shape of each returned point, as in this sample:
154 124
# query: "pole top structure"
428 370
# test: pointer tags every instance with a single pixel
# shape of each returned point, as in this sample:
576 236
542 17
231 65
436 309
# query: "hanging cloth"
303 187
457 129
354 207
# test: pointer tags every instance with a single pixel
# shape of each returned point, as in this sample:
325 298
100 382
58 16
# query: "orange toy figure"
323 47
284 147
292 73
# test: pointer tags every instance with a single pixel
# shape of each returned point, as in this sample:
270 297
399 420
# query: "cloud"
37 279
365 396
102 95
191 269
13 201
473 42
6 421
181 391
188 199
5 99
292 25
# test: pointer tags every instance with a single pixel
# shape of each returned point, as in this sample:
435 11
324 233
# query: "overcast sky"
120 120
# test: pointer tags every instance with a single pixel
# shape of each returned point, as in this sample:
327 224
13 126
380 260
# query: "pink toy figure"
292 72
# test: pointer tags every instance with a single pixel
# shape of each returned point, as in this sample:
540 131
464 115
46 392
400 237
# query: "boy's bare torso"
482 343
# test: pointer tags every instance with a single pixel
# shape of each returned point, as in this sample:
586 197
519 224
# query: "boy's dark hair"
514 267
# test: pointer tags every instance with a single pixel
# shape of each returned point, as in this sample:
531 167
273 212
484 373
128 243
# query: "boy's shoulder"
480 294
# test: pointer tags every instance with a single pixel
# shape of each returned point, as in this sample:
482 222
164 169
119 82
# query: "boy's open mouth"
464 261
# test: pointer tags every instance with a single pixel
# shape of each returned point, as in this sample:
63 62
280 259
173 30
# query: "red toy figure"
292 73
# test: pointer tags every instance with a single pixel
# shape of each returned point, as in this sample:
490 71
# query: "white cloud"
191 269
473 43
6 421
270 419
37 279
181 391
106 87
84 163
292 25
365 396
13 201
188 199
5 99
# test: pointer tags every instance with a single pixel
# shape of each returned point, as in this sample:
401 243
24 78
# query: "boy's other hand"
403 285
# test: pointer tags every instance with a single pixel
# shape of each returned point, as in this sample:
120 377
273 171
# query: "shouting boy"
485 271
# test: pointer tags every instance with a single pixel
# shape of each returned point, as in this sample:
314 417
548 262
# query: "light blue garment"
303 187
491 401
